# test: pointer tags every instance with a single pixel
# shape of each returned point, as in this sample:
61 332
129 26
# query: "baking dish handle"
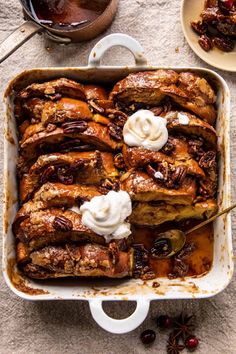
119 326
116 39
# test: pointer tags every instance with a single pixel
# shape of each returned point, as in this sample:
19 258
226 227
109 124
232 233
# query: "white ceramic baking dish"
97 291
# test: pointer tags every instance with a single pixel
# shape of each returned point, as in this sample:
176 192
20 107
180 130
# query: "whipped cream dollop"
145 129
106 215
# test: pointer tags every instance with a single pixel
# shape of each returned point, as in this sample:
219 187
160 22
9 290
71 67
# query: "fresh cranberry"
148 336
164 322
226 4
191 342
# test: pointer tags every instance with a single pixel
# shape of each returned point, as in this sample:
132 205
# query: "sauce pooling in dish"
68 13
198 258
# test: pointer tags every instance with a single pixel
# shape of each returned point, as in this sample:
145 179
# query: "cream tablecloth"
67 327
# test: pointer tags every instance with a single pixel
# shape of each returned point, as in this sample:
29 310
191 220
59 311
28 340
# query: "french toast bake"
80 148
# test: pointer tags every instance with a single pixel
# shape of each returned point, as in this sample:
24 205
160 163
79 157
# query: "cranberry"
226 4
191 342
148 336
164 322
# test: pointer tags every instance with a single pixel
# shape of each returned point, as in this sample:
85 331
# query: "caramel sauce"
199 261
68 13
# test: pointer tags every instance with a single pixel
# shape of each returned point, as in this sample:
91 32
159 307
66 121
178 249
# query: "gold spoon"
170 242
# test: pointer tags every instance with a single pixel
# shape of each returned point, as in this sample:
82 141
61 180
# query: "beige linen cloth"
67 327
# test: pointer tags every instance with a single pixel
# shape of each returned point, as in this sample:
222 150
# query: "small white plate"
190 11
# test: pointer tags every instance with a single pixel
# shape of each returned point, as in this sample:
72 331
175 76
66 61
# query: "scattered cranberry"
164 322
148 336
191 342
226 4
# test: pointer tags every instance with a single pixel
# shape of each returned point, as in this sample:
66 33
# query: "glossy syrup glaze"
199 261
68 12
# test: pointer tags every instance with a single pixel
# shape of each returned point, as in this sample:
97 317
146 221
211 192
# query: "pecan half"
111 185
74 127
118 117
208 160
60 223
95 107
48 172
205 42
180 269
224 44
119 161
66 175
75 145
199 27
115 131
179 174
196 148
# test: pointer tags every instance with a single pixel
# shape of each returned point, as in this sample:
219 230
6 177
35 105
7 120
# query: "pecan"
65 175
50 127
48 172
180 269
196 148
118 117
75 145
95 107
228 29
168 148
98 162
224 44
205 42
157 110
74 127
208 160
119 161
110 185
179 174
60 223
199 27
141 268
115 131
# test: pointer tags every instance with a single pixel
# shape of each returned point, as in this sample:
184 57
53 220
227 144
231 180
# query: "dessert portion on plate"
218 25
102 174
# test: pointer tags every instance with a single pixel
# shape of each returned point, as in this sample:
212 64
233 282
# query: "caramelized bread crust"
71 150
54 89
186 89
82 261
91 168
56 195
151 214
144 87
195 127
54 226
143 188
38 140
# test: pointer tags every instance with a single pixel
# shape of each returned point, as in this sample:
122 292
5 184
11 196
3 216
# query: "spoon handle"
211 219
